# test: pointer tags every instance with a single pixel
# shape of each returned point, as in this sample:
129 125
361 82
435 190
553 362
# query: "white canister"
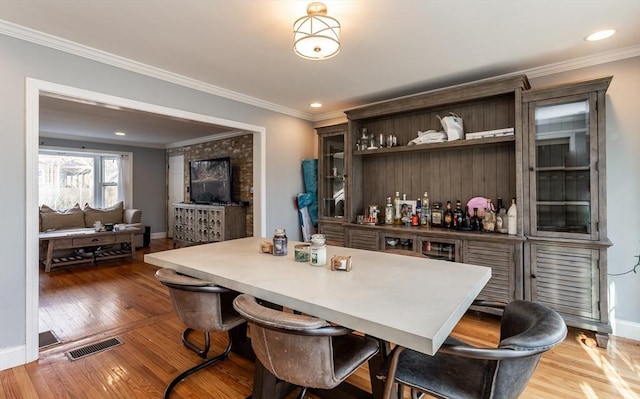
318 250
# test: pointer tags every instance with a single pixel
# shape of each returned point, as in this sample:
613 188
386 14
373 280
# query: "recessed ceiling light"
603 34
315 105
121 134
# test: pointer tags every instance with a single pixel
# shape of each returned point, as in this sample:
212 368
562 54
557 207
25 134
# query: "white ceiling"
243 48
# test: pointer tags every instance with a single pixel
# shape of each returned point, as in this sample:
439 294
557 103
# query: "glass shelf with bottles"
398 242
439 249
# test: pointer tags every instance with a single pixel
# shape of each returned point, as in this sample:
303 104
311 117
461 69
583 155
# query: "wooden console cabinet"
565 210
554 165
448 171
208 223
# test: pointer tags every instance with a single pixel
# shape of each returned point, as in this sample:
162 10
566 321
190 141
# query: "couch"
85 217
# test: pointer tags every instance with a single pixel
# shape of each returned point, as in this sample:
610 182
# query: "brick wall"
240 150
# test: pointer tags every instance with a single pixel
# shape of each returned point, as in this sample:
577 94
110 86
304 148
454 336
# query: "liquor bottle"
457 215
489 220
388 212
465 224
475 220
396 214
448 216
501 218
512 218
417 216
426 210
436 215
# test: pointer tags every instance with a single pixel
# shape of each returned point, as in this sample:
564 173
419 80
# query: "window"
66 178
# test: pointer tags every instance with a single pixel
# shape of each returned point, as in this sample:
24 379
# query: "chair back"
300 349
525 327
200 305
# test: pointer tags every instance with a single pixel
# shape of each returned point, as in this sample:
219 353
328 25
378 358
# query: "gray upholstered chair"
201 306
458 370
303 350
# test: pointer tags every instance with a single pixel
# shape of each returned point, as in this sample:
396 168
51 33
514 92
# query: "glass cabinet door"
564 183
332 177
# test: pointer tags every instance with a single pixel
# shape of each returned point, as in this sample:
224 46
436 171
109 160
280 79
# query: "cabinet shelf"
563 169
436 146
564 203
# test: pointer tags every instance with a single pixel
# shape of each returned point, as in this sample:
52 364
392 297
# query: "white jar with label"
318 250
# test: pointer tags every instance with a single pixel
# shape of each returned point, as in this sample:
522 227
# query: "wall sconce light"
316 36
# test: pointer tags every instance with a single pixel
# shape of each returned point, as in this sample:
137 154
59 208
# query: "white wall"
288 141
623 185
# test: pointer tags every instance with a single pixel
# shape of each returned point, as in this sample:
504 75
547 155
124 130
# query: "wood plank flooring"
86 304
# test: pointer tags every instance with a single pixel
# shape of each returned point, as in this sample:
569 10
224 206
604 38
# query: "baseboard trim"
626 329
12 356
162 234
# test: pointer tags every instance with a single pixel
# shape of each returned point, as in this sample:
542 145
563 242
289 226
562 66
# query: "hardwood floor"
86 304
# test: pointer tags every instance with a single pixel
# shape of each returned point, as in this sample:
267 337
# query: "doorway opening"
36 88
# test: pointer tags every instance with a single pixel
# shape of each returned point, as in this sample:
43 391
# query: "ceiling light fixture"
120 134
315 105
316 36
600 35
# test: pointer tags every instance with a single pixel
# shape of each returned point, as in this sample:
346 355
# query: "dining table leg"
267 386
375 363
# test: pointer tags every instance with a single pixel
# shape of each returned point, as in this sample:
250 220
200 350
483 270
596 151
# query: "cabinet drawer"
334 233
94 240
363 239
63 243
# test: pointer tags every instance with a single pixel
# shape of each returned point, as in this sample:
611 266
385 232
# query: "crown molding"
57 43
44 39
583 62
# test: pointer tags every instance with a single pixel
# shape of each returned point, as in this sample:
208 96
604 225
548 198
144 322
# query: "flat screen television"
210 180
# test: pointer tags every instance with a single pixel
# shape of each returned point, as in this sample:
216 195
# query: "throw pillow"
50 219
113 214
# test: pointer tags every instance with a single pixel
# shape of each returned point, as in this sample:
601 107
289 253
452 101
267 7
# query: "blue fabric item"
310 177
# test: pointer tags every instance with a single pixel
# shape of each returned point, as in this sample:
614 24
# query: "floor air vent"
47 339
94 348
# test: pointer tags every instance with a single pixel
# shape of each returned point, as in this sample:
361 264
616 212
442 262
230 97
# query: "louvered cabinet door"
566 279
362 239
501 259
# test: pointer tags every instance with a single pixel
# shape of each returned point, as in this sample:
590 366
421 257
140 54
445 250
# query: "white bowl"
392 242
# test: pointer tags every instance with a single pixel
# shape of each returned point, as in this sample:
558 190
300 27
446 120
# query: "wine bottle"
465 224
388 212
426 210
457 215
436 215
418 213
476 223
512 218
448 216
501 218
396 204
489 220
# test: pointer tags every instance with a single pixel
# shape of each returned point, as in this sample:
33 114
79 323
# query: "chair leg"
391 374
201 352
198 367
303 391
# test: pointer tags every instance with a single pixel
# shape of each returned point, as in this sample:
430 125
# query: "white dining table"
411 301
